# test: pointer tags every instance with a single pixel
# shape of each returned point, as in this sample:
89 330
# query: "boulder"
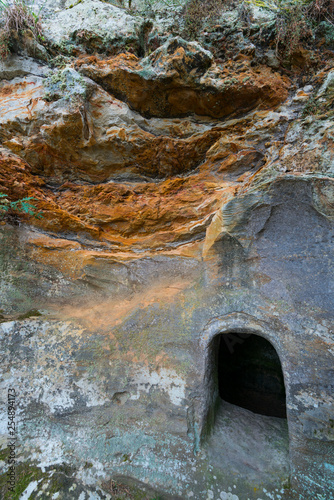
91 25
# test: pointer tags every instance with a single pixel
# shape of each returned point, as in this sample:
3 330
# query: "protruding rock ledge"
180 78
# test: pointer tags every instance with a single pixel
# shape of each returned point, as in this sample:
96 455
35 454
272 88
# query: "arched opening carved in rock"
246 429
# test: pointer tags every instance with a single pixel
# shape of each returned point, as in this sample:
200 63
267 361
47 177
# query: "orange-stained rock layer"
102 175
176 84
95 139
146 214
17 182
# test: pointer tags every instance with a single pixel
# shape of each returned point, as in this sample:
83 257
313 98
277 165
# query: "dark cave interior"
250 374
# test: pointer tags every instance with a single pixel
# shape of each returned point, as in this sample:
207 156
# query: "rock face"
183 200
92 25
99 138
179 79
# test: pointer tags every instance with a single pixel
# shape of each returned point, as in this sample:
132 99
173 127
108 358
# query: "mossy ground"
59 479
25 474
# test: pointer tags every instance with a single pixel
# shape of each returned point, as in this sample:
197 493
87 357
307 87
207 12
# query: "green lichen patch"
56 482
30 314
66 84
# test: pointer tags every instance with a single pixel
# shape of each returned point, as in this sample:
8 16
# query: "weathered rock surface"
72 132
179 78
92 25
92 136
161 231
18 66
87 137
241 433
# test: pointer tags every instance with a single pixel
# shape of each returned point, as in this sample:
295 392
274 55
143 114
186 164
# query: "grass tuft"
15 19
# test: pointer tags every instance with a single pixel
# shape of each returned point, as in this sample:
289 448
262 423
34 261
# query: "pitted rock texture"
180 78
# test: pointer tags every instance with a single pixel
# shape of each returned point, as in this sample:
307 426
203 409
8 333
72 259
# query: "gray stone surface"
18 66
249 445
130 392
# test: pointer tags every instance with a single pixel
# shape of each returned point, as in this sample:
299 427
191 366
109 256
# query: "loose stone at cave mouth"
250 374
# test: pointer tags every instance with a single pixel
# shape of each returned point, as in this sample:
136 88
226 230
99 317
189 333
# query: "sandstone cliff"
184 188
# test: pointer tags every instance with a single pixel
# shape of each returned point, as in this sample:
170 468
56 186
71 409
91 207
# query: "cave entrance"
245 429
250 374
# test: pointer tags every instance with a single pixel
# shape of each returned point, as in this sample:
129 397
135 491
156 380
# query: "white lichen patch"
6 328
57 399
48 376
325 333
48 452
27 492
93 17
311 399
91 391
164 380
228 496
